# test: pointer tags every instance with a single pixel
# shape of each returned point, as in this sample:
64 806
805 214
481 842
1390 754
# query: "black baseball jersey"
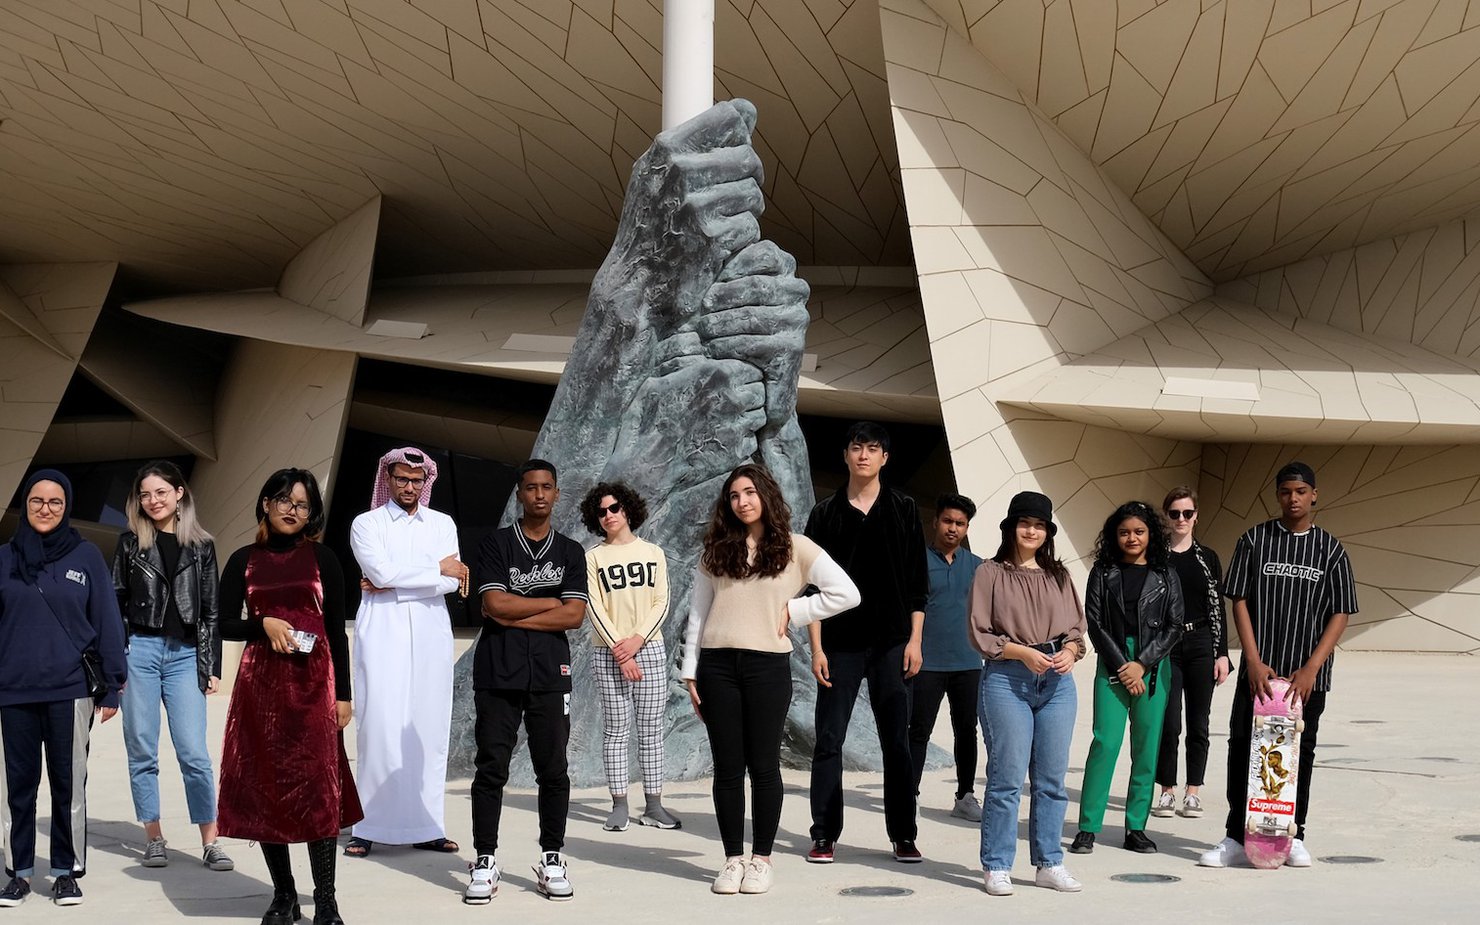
1293 583
509 658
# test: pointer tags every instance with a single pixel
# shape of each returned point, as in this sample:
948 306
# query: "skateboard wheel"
1260 721
1300 725
1290 830
1251 827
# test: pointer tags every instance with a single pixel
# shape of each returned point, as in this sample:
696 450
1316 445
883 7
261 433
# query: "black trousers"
496 729
960 689
743 697
889 696
61 727
1192 660
1240 733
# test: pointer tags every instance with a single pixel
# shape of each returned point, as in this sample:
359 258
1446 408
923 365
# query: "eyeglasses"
405 482
1182 515
288 506
159 494
614 508
55 505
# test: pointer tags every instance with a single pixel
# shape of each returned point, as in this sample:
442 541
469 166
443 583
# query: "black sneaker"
15 892
1084 843
1136 840
822 851
905 852
66 892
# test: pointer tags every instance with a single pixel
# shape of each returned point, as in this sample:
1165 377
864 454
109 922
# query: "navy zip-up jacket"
41 651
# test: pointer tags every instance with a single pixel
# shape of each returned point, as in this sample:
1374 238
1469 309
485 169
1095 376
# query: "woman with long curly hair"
737 655
1134 607
628 582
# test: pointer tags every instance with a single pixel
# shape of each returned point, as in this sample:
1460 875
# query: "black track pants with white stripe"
62 727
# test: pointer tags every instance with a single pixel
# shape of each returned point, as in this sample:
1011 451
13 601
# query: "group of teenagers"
920 621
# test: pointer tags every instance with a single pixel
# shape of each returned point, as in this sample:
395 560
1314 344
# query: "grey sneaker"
968 808
1166 805
551 877
659 818
616 820
1191 806
482 881
214 858
155 854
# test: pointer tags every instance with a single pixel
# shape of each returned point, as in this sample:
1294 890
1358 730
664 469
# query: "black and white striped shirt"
1292 583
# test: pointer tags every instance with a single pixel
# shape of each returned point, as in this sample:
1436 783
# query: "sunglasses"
1182 515
614 508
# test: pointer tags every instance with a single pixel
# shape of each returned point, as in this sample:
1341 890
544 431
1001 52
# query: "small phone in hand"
303 641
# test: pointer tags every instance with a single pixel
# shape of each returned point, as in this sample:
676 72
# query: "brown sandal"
445 845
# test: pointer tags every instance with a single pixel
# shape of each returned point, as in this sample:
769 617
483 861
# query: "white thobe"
403 672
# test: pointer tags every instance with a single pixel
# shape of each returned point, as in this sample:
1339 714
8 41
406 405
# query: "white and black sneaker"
551 876
15 892
66 892
482 881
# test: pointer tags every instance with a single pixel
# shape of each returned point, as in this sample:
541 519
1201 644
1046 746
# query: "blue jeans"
163 669
1027 722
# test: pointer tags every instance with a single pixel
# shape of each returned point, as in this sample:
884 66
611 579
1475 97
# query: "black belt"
1052 647
1194 625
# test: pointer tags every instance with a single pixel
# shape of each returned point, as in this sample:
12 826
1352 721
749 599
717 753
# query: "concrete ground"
1395 790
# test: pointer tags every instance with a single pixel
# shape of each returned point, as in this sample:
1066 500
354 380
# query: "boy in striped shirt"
1292 590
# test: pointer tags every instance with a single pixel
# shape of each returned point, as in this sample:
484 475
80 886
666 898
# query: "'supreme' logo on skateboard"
1272 806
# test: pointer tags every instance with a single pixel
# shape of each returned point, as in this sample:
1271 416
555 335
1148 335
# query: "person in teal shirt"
951 669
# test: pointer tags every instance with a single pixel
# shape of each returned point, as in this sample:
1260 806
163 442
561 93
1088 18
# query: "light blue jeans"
1027 722
163 670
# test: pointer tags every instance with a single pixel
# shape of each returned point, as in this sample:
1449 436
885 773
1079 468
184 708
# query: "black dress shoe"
1136 840
326 910
283 911
1084 843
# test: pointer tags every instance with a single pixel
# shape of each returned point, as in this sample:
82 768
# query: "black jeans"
960 689
1192 660
889 696
1240 732
743 697
496 730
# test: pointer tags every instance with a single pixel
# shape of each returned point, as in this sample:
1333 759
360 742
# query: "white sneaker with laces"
757 876
551 878
1166 805
1299 856
482 881
1058 878
1224 854
727 881
999 882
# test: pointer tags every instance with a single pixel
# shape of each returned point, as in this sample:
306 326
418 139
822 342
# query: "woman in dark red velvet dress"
284 774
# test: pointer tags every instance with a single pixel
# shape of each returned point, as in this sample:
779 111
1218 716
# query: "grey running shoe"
659 818
968 808
1191 806
1165 805
616 820
214 858
155 854
551 877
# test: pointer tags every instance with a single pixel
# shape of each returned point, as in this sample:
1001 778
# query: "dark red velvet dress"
284 773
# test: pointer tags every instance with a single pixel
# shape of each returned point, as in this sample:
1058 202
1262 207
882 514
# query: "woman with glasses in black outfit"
284 774
1199 661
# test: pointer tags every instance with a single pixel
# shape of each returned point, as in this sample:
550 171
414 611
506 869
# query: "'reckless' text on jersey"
510 658
1292 583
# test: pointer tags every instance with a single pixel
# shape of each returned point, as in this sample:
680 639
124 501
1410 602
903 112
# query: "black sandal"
444 845
358 847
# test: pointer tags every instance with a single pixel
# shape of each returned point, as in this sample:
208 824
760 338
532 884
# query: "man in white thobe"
408 556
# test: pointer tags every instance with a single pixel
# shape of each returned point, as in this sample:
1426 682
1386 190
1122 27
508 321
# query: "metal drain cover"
1350 859
872 891
1472 837
1144 878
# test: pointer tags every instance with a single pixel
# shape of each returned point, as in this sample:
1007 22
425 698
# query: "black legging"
1192 660
743 697
961 690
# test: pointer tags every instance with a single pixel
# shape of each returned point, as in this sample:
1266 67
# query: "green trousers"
1112 707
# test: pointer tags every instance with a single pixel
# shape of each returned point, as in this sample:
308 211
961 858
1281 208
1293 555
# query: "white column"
688 59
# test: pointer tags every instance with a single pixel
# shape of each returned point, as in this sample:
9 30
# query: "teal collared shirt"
945 642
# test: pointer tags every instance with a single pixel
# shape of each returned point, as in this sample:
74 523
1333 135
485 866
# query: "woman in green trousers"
1134 608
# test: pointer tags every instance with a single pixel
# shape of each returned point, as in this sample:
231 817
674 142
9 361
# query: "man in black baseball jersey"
1293 593
532 582
874 532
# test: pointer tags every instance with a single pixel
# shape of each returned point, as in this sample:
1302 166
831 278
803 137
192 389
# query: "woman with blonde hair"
165 576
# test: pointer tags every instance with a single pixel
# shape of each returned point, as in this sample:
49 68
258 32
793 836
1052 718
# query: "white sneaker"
999 882
551 878
482 881
727 881
1224 854
1058 878
1299 856
757 877
1166 805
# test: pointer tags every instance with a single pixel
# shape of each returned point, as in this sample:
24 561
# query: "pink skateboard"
1274 765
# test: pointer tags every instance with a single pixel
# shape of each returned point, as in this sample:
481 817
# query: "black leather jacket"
143 591
1159 617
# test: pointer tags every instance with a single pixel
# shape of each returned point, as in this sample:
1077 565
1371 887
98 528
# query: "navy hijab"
32 550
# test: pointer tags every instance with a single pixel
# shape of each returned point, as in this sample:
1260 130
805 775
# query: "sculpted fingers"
723 125
703 169
761 258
